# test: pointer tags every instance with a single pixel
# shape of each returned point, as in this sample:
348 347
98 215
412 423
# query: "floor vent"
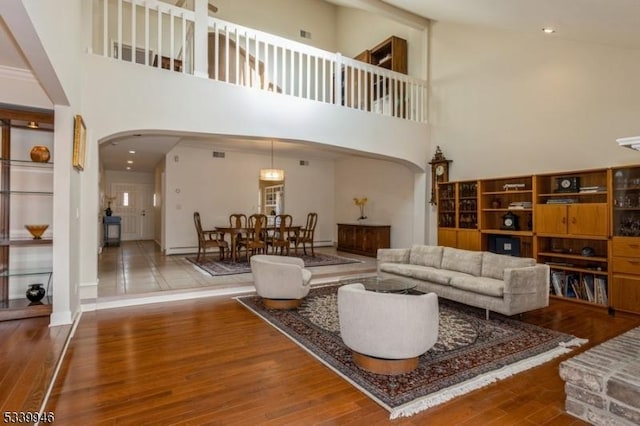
218 154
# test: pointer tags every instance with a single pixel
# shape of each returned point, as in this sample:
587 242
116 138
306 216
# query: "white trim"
17 74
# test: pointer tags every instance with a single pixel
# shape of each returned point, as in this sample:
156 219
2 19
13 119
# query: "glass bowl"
36 230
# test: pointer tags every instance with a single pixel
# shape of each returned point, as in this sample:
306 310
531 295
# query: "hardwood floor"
211 361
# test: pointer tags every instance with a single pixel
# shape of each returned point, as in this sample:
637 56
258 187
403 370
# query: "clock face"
565 183
439 170
508 221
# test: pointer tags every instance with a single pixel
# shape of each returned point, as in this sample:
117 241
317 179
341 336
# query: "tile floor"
138 268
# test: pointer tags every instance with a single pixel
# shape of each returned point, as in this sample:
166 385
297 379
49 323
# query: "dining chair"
238 221
306 234
279 233
207 239
256 240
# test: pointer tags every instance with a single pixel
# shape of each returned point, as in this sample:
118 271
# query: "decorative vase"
35 292
496 203
40 154
108 211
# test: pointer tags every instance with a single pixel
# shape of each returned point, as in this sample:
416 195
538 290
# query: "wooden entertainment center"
584 223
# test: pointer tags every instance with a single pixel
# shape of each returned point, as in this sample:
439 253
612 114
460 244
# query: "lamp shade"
271 174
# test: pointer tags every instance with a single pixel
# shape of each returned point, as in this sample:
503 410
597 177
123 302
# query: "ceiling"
611 22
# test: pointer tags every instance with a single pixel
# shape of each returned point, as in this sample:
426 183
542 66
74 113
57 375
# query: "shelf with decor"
26 198
573 229
625 257
506 215
458 215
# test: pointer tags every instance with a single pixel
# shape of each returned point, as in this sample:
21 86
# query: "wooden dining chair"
238 221
207 239
306 234
256 240
279 234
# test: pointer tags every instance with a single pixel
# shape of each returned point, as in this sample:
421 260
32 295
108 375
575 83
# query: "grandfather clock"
439 172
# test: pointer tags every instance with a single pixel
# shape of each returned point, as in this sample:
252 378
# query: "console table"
111 238
364 239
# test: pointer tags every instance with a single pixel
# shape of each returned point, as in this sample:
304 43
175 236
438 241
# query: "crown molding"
14 73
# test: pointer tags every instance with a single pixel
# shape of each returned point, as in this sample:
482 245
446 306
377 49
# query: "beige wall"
389 189
503 103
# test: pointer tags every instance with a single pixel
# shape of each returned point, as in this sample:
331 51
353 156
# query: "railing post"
337 84
201 39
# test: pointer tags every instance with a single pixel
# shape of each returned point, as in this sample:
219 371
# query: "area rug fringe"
445 395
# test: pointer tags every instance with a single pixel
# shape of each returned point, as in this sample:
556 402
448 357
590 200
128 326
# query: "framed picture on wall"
79 142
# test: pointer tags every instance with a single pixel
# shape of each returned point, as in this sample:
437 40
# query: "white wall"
389 188
503 103
352 40
218 187
285 18
19 87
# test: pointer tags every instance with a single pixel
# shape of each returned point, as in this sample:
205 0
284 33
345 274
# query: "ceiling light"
132 151
32 125
129 161
128 168
548 30
631 142
271 174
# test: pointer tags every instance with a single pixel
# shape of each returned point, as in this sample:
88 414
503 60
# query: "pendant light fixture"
271 174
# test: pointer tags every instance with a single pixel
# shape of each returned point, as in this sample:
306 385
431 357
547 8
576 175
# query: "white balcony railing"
170 37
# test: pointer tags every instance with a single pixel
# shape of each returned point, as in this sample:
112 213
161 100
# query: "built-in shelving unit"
458 224
585 224
26 198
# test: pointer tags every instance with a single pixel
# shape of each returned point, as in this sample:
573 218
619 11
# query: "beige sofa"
495 282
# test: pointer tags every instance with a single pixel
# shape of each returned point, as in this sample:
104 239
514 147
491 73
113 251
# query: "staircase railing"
158 34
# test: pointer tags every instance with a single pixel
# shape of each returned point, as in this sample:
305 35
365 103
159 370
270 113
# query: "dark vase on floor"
35 292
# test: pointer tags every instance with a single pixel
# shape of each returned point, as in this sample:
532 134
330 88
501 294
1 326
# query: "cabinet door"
625 294
469 240
588 219
447 237
551 218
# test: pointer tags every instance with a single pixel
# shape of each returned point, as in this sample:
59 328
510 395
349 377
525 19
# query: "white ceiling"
611 22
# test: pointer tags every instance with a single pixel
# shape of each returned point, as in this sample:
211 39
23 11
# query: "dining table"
235 232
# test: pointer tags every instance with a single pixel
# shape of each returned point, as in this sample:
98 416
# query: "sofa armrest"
527 280
392 255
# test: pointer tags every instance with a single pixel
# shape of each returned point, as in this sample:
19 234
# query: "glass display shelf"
27 192
26 163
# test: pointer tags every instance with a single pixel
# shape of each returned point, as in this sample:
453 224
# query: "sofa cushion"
420 272
480 285
467 261
426 255
493 265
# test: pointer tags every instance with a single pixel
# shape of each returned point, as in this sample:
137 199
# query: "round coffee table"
380 284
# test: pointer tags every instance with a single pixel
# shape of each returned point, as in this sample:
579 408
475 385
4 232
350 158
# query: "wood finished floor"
211 361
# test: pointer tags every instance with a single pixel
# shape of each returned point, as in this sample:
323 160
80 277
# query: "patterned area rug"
471 352
227 267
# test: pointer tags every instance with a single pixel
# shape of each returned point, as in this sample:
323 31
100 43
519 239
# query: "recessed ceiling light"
548 30
129 161
132 151
128 168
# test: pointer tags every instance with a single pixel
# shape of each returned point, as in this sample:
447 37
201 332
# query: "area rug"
470 353
227 267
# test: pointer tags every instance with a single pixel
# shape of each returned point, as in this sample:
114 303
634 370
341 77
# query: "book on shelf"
558 280
561 201
588 285
586 189
600 290
516 205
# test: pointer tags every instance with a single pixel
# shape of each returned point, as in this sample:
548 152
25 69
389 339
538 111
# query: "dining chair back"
256 240
306 234
238 220
280 232
207 239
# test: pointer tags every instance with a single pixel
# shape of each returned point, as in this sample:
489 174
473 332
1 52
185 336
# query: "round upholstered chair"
387 332
281 281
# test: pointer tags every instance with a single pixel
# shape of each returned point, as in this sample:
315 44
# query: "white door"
134 204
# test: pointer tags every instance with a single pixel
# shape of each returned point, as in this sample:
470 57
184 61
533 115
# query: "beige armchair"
281 281
387 332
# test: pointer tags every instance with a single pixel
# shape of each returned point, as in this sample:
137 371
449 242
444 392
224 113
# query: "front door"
134 204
